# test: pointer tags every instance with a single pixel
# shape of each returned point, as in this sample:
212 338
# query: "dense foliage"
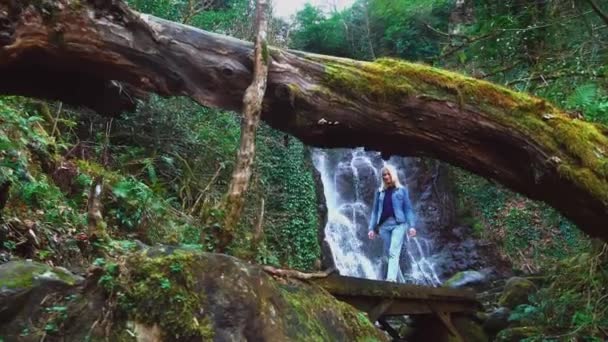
165 169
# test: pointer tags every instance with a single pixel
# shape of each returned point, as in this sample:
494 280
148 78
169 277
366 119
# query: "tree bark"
102 55
96 224
252 108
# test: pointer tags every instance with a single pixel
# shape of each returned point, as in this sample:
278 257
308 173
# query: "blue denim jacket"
402 206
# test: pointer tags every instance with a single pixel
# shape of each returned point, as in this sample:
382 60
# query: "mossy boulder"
19 275
466 279
516 292
188 295
25 288
470 330
172 294
517 334
497 320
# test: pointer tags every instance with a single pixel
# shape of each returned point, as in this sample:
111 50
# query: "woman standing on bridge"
392 215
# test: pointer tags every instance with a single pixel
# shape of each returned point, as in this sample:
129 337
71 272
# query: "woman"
392 212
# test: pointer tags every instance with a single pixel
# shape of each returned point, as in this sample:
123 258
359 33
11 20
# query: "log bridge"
381 299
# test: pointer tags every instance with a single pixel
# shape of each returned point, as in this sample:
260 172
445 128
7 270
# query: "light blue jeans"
393 235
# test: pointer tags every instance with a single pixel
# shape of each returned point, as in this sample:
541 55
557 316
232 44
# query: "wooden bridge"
380 299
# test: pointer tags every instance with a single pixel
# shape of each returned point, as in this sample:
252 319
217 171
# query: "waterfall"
350 178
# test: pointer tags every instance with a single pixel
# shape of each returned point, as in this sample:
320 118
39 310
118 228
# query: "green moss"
164 291
312 315
93 169
516 292
469 330
23 274
581 147
265 53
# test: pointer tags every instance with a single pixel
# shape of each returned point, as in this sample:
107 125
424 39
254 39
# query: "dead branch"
296 274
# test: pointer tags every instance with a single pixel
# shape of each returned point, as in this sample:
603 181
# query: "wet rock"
517 334
466 279
430 328
470 330
459 251
497 320
516 292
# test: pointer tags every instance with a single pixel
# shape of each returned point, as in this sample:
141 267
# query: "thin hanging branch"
279 272
252 108
598 11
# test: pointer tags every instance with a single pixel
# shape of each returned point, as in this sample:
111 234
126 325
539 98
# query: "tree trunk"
252 107
102 55
96 225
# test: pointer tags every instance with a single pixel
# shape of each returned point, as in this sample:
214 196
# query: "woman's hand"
371 235
412 232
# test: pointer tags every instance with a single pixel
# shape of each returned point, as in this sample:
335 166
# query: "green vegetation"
530 234
554 50
165 168
161 291
573 304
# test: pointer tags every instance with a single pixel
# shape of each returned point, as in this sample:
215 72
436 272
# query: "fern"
590 99
583 96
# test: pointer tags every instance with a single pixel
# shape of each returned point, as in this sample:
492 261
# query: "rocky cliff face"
165 294
449 246
456 248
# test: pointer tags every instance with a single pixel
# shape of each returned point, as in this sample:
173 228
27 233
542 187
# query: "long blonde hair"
394 178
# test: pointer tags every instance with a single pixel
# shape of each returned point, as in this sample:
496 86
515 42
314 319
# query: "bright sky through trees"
286 8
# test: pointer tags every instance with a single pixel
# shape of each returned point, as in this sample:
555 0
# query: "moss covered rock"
470 330
191 295
21 275
497 320
27 290
465 279
516 292
172 294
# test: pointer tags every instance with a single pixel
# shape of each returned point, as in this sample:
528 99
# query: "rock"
175 294
23 275
517 334
232 301
466 279
470 330
516 292
23 286
431 328
497 320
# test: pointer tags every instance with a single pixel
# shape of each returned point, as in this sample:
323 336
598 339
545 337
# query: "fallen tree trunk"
100 54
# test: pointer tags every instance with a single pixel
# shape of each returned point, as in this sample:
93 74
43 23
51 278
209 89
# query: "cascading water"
350 178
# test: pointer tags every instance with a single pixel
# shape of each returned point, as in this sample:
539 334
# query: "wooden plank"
444 317
409 306
350 286
379 309
381 298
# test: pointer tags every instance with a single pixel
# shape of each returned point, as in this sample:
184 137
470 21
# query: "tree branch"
297 274
598 11
252 109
